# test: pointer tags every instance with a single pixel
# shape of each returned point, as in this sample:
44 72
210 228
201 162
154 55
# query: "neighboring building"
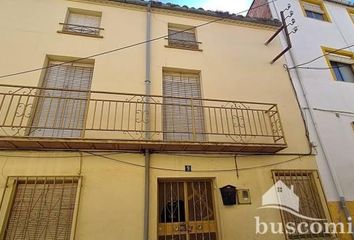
325 87
139 141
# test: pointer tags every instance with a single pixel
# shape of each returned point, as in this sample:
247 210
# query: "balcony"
50 118
81 30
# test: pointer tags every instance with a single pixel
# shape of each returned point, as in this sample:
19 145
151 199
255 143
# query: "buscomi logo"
283 197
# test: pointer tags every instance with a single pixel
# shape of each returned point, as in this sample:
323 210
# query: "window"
341 64
351 13
82 22
314 15
343 72
182 37
183 116
304 184
40 208
315 9
186 210
60 111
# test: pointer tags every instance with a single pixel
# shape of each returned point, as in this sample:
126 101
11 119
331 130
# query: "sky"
232 6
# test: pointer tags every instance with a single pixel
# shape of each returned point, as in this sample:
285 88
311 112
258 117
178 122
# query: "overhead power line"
197 170
321 68
131 45
316 58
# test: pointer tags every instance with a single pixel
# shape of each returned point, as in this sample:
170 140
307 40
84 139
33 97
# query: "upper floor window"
351 13
182 37
343 71
341 64
62 112
183 111
82 22
315 9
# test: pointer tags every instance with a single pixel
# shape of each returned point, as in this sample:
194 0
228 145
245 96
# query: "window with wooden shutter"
60 110
183 112
315 9
182 37
305 186
343 71
341 64
83 22
41 208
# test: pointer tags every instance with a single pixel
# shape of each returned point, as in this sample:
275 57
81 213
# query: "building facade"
322 54
108 134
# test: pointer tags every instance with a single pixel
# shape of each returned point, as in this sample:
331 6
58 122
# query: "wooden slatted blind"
310 204
83 23
340 58
61 113
183 118
179 36
42 208
84 20
313 8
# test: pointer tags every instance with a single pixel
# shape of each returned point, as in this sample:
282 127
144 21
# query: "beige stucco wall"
112 193
234 65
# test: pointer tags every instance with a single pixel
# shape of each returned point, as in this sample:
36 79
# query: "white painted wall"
325 95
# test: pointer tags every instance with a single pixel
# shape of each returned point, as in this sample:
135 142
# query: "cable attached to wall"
132 45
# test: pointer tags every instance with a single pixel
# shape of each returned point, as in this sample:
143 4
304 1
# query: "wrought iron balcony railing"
32 117
181 43
81 29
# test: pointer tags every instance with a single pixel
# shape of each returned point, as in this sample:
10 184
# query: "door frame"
212 181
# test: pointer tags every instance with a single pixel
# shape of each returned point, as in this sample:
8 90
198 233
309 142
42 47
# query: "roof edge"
201 11
342 2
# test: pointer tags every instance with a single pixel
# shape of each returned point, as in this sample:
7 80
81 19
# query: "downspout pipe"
324 151
147 121
322 146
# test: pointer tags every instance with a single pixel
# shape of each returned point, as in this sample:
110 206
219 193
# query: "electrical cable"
131 45
209 155
321 68
201 170
323 55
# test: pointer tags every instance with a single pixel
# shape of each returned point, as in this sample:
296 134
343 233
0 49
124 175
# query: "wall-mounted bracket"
286 31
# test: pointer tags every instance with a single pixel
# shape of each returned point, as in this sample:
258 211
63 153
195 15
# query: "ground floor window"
40 207
306 186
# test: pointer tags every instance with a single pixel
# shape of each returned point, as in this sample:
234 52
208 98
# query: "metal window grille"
186 210
180 38
305 188
59 109
183 118
82 23
42 208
